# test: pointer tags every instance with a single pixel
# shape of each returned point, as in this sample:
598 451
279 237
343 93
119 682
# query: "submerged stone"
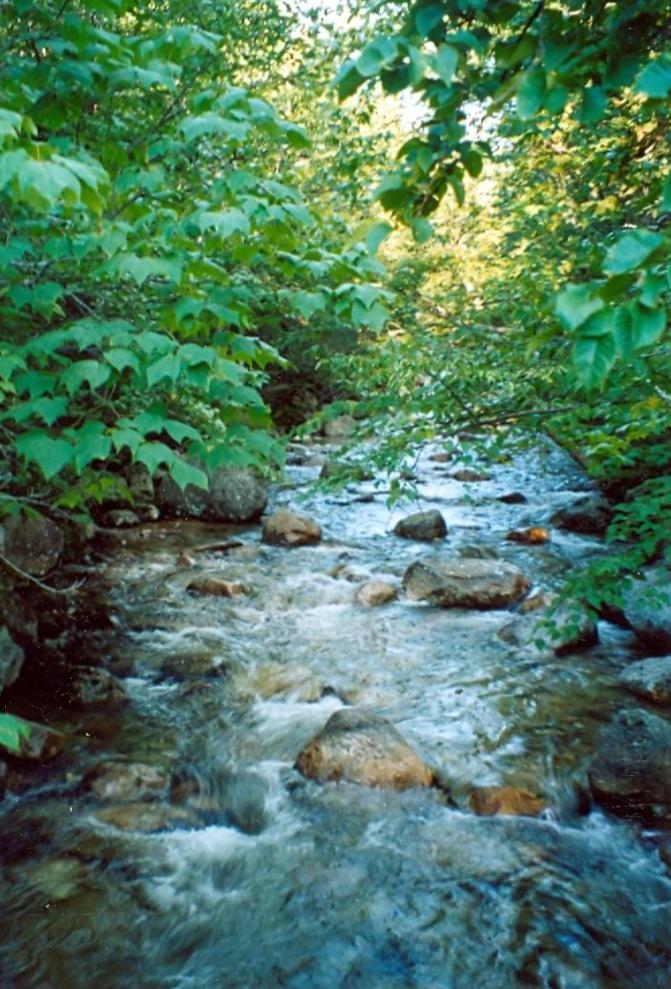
488 801
287 528
467 583
422 525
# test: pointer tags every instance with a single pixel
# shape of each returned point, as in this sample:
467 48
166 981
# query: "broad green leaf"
421 230
167 366
180 431
348 79
224 222
376 55
50 455
88 372
445 62
184 473
153 455
92 442
575 304
655 79
593 357
121 357
593 106
630 251
531 91
428 17
648 325
13 731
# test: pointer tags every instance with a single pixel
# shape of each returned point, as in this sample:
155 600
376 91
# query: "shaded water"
263 879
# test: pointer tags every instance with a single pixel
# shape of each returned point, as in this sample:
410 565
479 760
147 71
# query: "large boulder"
233 495
590 516
11 659
631 771
466 583
647 608
362 747
422 525
650 679
33 543
287 528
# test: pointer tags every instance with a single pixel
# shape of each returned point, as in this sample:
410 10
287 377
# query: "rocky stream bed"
337 752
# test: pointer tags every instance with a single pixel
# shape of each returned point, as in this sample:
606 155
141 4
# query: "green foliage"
149 234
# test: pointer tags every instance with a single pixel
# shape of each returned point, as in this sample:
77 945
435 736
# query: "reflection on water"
249 876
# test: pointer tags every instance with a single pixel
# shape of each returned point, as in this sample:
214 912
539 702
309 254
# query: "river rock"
362 747
244 802
339 428
33 544
650 679
34 742
466 583
590 516
513 498
631 772
130 781
546 633
233 495
287 528
441 457
422 525
196 663
147 818
647 608
216 587
11 659
487 801
120 518
374 593
94 687
534 536
471 476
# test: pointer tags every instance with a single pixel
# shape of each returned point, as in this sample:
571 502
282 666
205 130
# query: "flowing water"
259 878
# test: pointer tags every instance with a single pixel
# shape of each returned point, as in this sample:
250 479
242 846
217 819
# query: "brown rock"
466 583
287 528
375 593
147 817
91 686
339 428
441 457
216 587
537 601
422 525
125 781
33 544
530 537
362 747
486 801
470 476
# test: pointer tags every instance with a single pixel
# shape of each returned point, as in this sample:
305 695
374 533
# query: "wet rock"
57 879
11 659
140 483
147 818
349 572
130 781
648 609
533 536
32 741
375 593
422 525
548 633
287 528
203 663
513 498
33 544
339 428
148 513
95 687
650 679
441 457
120 518
589 516
478 584
474 552
537 601
471 476
232 496
487 801
244 802
362 747
216 587
631 772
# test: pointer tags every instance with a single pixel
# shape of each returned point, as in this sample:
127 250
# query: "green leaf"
666 195
224 222
648 325
593 357
184 473
428 17
348 80
50 455
92 442
167 366
89 372
445 62
531 91
575 304
593 106
13 731
120 358
655 79
377 55
631 250
421 230
180 431
152 455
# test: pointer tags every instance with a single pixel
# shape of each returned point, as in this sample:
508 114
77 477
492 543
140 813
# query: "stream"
245 875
